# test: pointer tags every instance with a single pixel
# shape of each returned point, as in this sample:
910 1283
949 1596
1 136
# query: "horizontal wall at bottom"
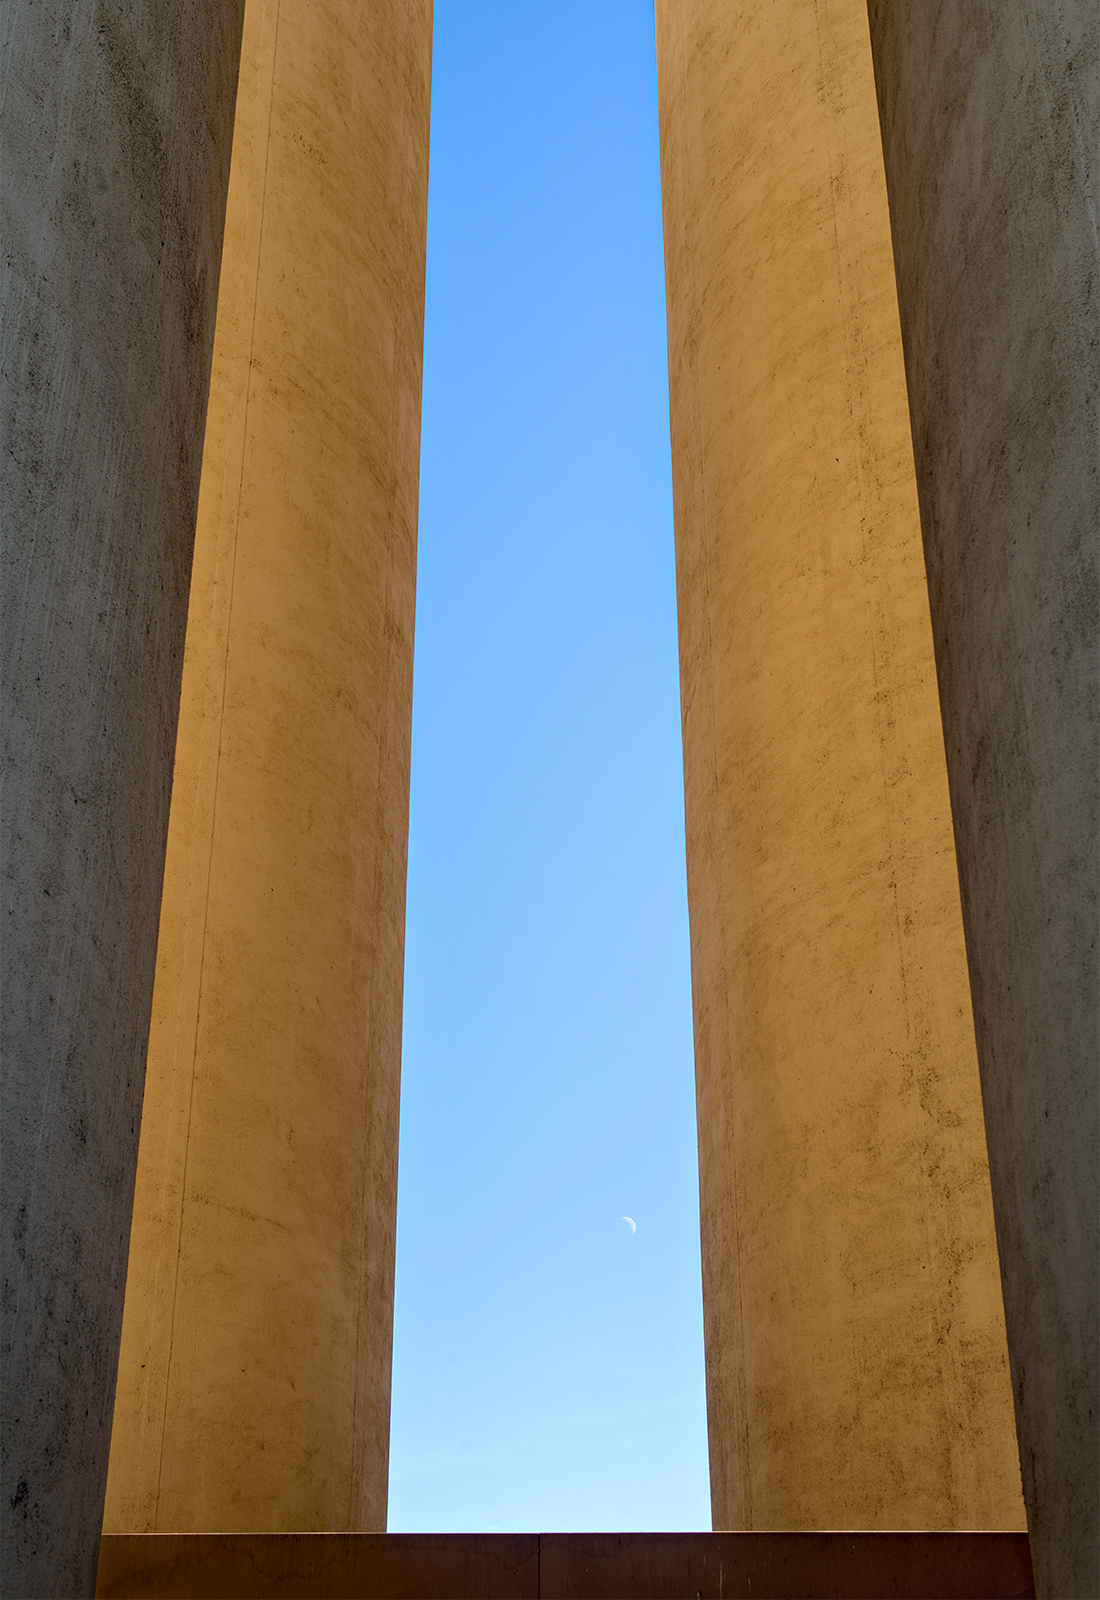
523 1566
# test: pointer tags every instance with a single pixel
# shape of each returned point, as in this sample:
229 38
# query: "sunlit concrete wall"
990 136
117 129
254 1382
856 1363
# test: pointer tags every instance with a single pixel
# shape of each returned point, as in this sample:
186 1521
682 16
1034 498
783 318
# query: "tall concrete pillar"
117 130
989 123
255 1371
856 1363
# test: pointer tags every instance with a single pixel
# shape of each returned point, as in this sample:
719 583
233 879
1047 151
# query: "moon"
631 1224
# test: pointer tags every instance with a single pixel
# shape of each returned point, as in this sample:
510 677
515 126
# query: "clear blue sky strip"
548 1361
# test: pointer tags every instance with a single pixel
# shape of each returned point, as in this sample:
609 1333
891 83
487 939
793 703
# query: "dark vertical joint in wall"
118 125
989 125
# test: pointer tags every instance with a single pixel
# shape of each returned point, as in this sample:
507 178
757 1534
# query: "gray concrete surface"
989 132
117 133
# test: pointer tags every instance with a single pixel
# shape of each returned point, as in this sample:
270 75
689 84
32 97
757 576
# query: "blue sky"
548 1363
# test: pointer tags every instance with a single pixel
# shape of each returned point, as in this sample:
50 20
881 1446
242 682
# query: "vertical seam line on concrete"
217 776
390 637
355 1489
746 1475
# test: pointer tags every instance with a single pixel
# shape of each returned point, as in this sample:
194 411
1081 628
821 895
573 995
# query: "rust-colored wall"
856 1362
254 1382
582 1566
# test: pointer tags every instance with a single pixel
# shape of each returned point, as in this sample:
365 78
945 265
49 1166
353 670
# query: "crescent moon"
632 1224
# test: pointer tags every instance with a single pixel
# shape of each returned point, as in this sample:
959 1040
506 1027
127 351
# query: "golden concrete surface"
254 1380
856 1363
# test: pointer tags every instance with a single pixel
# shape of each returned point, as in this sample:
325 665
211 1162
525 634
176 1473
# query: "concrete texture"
117 126
856 1364
255 1371
989 120
599 1566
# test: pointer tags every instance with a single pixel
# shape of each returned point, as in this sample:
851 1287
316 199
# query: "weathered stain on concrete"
856 1364
255 1372
989 120
117 131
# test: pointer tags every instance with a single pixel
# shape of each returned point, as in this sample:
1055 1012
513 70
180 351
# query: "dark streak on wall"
117 128
989 129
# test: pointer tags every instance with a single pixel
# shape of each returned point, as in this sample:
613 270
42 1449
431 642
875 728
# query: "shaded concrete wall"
117 128
989 122
254 1379
856 1364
